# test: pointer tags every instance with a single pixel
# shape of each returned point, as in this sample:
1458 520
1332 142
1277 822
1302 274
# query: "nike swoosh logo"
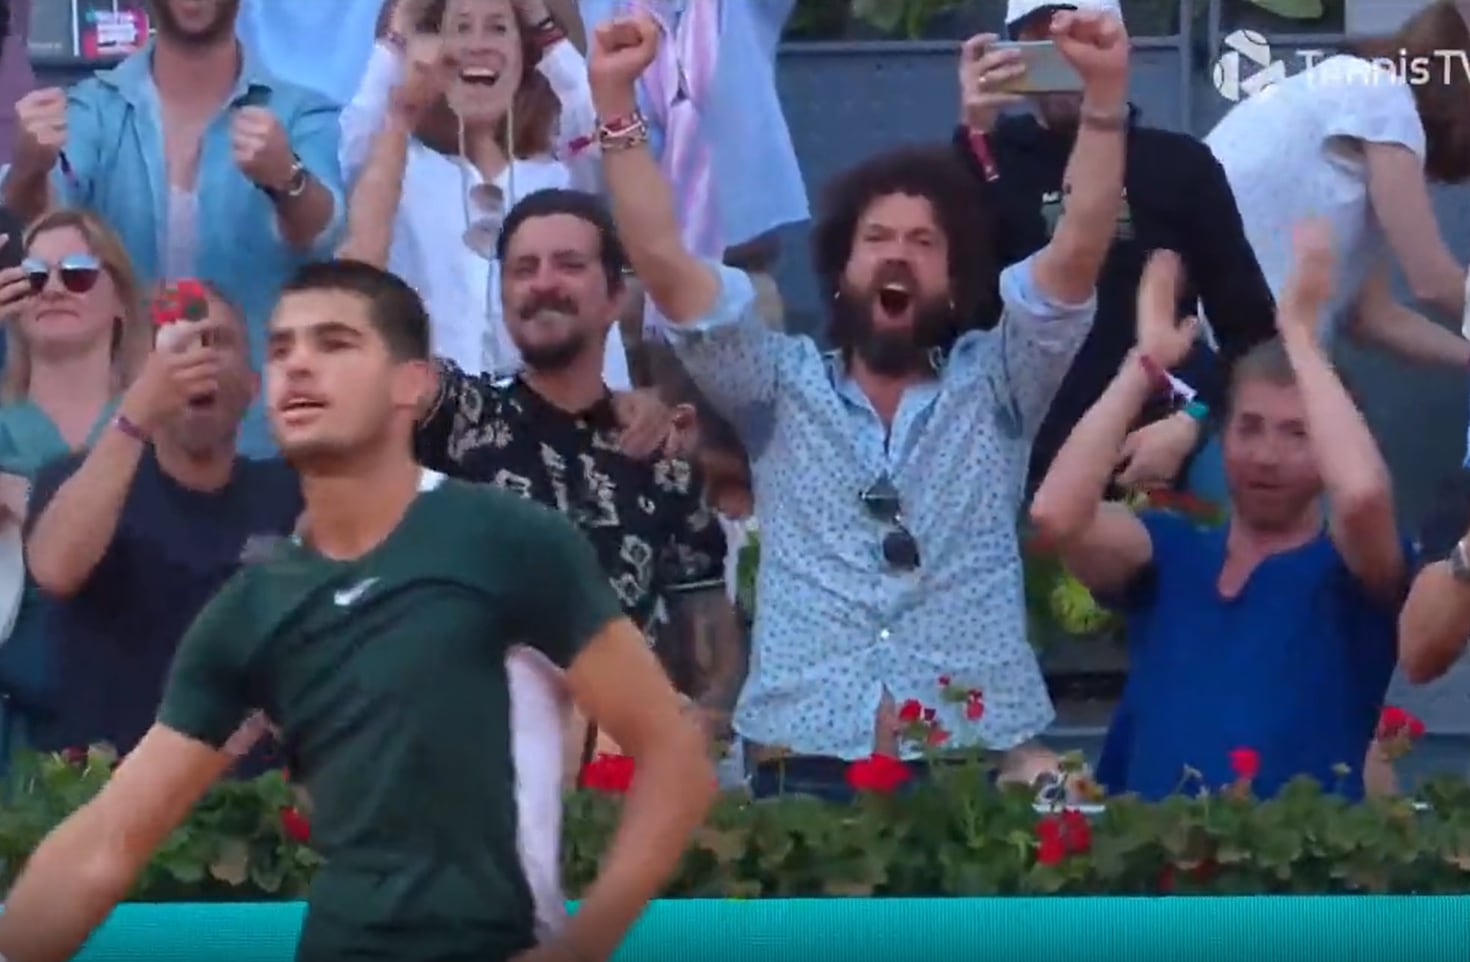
349 596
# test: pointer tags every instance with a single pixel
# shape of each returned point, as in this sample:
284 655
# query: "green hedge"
956 835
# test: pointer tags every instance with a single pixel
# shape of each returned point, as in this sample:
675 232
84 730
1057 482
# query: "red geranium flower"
1245 763
1395 722
911 711
878 773
295 825
974 705
611 774
1057 836
193 300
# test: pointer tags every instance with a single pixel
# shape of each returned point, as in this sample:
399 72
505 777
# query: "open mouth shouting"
895 298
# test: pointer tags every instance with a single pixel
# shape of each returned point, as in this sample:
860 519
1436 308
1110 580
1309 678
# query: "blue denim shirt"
115 152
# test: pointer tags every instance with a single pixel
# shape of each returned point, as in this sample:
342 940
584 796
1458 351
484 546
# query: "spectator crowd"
1037 316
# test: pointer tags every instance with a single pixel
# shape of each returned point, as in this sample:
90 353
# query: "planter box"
1213 929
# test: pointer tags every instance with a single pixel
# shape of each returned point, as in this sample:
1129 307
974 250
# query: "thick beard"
553 358
220 28
890 353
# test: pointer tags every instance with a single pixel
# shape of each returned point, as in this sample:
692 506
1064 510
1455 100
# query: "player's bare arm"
90 861
617 680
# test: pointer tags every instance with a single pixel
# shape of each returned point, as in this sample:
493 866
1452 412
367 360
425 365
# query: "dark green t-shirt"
389 678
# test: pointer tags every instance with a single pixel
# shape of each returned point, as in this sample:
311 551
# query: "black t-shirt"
173 549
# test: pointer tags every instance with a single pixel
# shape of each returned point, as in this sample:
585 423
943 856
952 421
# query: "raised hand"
261 148
41 123
1161 335
983 72
1097 45
620 50
1309 286
174 375
427 73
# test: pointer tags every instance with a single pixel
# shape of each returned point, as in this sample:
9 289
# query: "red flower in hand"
1058 836
1245 763
1395 722
910 711
878 773
611 774
295 825
165 309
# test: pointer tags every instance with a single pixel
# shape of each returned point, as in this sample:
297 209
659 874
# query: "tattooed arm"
705 633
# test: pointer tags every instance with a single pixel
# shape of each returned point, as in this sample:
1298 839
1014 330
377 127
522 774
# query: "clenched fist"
41 121
621 49
427 72
261 149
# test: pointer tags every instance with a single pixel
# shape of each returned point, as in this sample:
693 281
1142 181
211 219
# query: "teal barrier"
1052 929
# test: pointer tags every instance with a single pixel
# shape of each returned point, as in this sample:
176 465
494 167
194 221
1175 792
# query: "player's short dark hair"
394 308
934 173
574 203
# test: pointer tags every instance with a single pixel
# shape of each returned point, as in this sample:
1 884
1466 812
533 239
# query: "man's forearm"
670 795
1093 195
69 886
1351 465
304 217
374 206
1433 624
648 224
73 532
1073 488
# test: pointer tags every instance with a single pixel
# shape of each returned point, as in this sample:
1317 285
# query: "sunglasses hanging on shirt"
78 273
899 548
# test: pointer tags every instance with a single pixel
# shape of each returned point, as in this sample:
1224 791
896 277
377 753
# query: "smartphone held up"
1044 69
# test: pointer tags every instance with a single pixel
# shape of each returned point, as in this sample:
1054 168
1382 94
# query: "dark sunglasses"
900 549
78 272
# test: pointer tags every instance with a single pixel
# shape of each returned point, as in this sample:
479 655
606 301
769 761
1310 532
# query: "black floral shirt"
646 518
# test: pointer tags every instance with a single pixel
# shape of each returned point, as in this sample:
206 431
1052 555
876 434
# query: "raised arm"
1105 546
724 345
1067 268
1359 493
89 863
564 67
75 517
378 190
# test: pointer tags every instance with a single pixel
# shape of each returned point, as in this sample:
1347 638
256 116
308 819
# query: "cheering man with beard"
888 474
551 433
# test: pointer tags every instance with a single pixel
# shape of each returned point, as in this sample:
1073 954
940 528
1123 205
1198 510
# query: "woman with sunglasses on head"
466 107
75 335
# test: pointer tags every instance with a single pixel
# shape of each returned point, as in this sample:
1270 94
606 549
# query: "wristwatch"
1460 562
295 184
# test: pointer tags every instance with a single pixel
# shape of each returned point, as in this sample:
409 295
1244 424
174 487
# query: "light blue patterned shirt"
834 626
114 147
758 184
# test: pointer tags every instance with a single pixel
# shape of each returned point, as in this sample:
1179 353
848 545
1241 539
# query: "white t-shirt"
1294 151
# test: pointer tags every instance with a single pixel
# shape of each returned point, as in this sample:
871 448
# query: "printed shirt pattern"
647 519
834 627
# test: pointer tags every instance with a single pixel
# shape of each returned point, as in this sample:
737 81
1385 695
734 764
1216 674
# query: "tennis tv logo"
1246 67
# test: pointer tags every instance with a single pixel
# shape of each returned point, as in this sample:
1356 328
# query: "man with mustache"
551 433
888 472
